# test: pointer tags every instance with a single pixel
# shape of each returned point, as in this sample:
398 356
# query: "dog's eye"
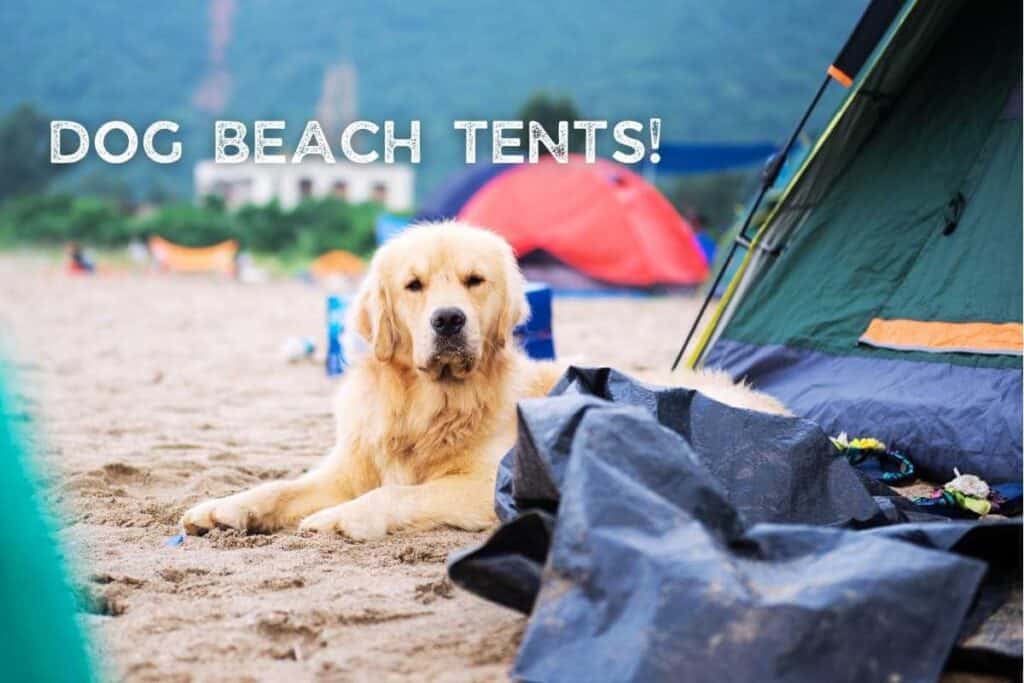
414 285
474 280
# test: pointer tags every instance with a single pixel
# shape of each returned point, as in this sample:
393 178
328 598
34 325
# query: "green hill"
738 70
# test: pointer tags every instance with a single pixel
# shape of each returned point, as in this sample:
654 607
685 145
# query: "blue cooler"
335 362
535 335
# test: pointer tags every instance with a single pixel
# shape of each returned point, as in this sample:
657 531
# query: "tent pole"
768 176
707 300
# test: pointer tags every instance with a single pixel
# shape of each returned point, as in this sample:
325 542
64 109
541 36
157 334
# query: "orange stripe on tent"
219 258
840 77
943 337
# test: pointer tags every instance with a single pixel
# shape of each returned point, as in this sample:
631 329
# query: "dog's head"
440 298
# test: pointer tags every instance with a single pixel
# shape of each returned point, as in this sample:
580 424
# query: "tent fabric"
599 218
446 201
682 158
566 281
938 337
910 209
905 49
865 37
540 266
657 535
42 635
941 415
219 258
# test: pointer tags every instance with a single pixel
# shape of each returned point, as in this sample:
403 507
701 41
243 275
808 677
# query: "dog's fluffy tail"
720 386
715 384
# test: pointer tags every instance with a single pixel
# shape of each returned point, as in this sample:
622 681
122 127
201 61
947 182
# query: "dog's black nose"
448 321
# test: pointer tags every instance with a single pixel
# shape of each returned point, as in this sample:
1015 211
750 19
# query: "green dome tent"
882 296
41 637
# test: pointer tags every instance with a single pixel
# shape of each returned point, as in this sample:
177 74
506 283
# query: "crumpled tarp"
657 535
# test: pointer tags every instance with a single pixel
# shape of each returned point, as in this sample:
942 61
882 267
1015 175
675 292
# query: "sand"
154 392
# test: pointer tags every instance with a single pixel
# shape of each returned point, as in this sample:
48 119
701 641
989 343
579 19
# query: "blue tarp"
708 158
657 535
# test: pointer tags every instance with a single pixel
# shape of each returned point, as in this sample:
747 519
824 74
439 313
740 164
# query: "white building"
250 183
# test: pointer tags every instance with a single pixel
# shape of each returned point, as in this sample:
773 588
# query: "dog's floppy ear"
373 318
515 308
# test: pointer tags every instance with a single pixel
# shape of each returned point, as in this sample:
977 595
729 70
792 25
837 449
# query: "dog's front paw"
356 521
233 512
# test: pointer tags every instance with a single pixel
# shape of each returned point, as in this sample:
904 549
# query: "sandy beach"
153 392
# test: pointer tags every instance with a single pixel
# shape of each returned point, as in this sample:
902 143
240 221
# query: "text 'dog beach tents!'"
599 219
883 295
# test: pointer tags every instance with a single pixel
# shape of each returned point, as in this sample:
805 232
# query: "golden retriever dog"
426 414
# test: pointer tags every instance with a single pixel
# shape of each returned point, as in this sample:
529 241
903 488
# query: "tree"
548 110
716 198
159 193
25 157
104 181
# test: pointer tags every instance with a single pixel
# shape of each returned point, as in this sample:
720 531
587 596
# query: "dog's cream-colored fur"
422 423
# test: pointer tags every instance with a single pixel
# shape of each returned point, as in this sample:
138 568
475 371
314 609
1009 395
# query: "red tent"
600 218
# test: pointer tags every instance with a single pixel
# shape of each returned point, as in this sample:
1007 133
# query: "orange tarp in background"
944 337
337 262
219 258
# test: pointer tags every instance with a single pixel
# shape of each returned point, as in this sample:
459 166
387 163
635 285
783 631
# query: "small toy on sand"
296 349
175 541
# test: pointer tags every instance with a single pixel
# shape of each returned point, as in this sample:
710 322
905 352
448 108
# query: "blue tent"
447 200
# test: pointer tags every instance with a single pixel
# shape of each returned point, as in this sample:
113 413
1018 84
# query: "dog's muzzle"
452 358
